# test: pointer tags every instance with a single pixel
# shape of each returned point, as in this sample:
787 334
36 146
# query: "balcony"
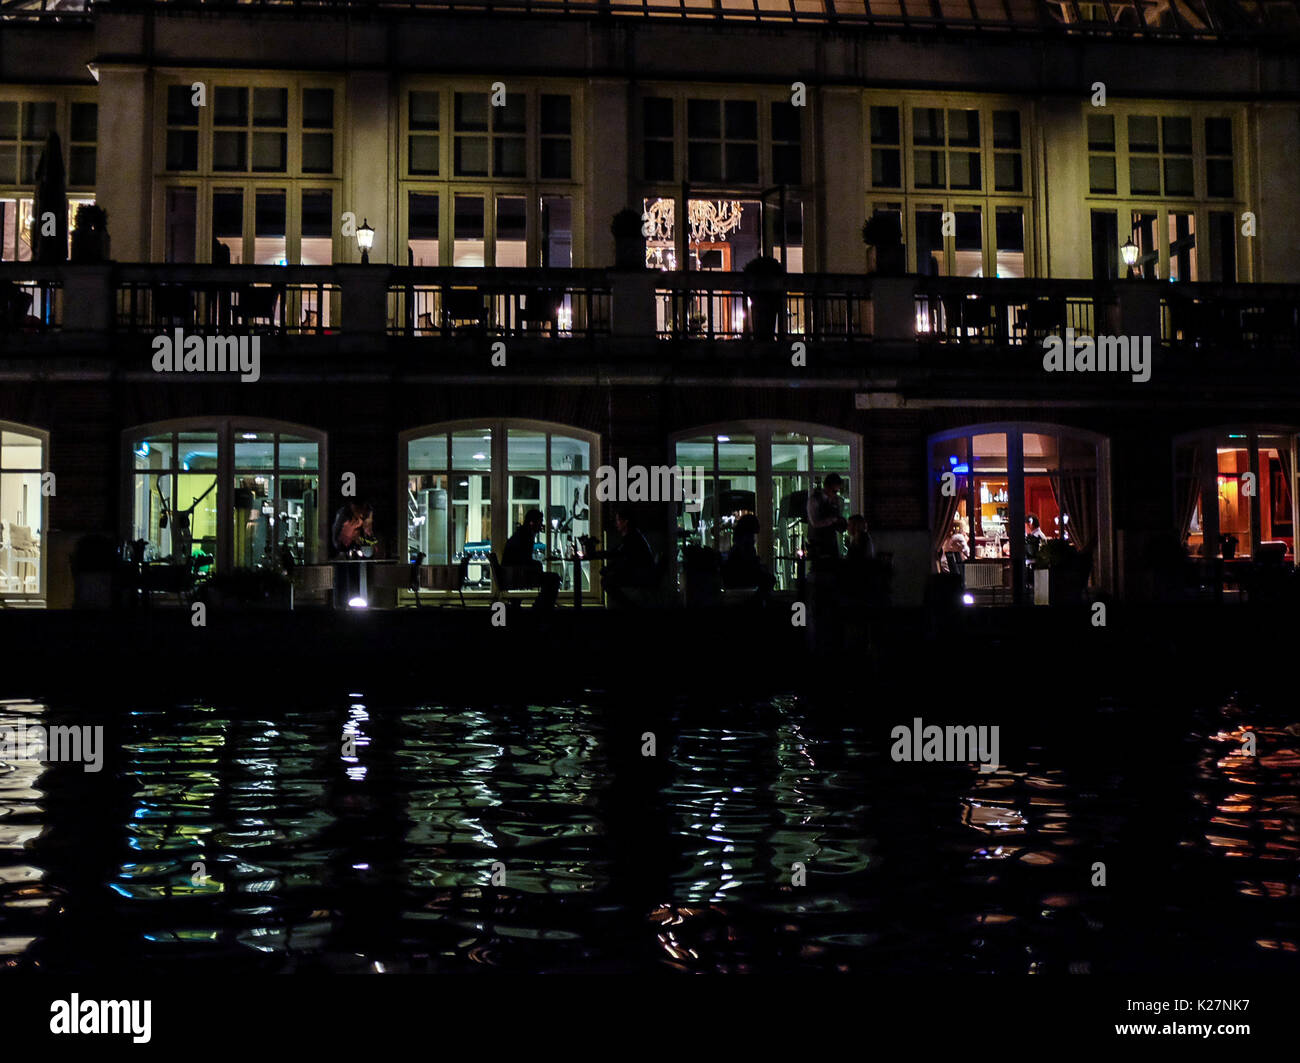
581 316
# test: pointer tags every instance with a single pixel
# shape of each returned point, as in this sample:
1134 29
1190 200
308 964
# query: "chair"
256 304
540 307
461 305
173 305
956 563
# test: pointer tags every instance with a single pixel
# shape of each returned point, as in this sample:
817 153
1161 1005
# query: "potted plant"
1066 569
629 241
90 234
883 233
1228 545
767 295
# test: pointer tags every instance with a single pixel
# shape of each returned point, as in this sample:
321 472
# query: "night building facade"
1133 181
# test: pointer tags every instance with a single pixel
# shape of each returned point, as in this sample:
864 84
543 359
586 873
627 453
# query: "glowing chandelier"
711 220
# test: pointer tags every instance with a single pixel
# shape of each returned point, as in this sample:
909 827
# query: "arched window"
24 458
222 493
766 468
1235 491
1000 492
468 484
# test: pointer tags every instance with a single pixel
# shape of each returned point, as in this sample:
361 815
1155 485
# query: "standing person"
521 569
825 523
1034 537
743 569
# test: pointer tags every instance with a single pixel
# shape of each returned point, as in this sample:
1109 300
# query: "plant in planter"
1067 570
1228 544
90 234
767 297
629 240
883 233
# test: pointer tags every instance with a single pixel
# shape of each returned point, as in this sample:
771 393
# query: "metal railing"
280 300
731 306
990 312
540 303
31 298
1228 317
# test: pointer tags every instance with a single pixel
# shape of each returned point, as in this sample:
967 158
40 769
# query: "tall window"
485 184
253 174
469 484
22 511
24 125
988 481
767 469
955 174
1164 177
1235 491
226 493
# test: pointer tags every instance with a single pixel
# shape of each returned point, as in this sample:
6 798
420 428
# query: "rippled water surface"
350 836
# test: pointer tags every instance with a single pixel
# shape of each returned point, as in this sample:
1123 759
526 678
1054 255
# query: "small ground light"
968 599
358 602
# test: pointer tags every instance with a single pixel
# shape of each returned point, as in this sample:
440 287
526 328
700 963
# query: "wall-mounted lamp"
365 240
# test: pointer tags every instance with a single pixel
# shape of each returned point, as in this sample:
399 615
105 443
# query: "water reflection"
762 837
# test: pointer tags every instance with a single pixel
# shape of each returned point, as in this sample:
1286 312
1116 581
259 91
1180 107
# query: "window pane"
927 125
1178 177
424 110
965 169
422 228
181 222
1218 177
269 152
1006 129
742 119
230 106
510 157
81 165
705 161
659 160
1009 223
423 154
1144 176
1178 136
317 152
318 108
229 151
271 107
742 163
471 156
555 114
469 246
657 116
1101 132
84 121
182 149
1218 136
255 450
1142 135
512 116
1101 173
704 119
511 243
8 121
471 450
785 121
525 450
929 170
964 128
557 232
1006 173
886 168
787 164
555 158
317 213
38 120
427 452
471 111
884 125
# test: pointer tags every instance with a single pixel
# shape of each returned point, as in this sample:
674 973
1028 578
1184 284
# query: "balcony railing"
979 311
701 311
730 306
280 300
543 303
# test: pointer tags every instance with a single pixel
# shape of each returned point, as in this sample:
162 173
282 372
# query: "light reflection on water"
356 837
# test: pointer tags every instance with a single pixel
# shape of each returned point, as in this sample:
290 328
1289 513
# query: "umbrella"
51 197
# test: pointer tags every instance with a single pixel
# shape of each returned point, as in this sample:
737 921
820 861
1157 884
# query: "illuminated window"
22 511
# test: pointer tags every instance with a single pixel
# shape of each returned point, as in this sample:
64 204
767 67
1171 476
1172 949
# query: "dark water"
352 837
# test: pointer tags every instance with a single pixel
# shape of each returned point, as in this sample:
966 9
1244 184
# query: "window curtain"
1077 492
945 513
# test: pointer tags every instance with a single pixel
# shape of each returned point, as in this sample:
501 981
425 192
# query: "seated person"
520 569
742 569
860 547
631 563
1034 537
956 543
